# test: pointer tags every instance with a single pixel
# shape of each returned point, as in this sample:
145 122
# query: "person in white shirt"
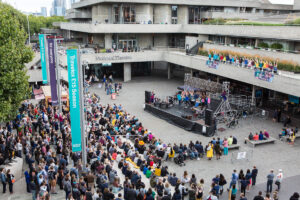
279 178
19 149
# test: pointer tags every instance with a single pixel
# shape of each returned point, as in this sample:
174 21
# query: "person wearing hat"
279 178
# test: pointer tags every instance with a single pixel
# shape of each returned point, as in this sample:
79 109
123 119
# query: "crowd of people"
118 147
250 63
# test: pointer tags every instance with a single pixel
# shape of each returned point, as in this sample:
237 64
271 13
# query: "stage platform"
174 115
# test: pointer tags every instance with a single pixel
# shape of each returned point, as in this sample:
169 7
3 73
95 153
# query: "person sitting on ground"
234 140
261 136
255 137
283 133
250 136
266 134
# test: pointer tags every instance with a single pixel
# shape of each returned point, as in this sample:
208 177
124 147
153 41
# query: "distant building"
44 11
58 8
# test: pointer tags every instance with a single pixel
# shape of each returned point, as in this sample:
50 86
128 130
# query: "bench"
260 142
233 146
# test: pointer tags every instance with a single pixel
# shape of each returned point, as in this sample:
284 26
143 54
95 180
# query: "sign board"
241 155
74 93
43 58
51 60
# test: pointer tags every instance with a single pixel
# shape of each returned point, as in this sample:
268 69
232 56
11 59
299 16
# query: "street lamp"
28 30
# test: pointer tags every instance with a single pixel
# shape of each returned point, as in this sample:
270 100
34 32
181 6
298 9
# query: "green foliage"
14 54
202 52
73 47
276 46
249 23
263 45
38 22
215 21
295 22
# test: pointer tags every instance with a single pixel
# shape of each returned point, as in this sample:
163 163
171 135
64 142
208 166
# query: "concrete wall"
162 14
144 40
272 54
202 37
271 32
160 68
228 3
108 41
101 12
183 14
296 5
160 40
144 13
191 41
285 83
227 15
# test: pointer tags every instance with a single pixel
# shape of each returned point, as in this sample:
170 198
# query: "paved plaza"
272 156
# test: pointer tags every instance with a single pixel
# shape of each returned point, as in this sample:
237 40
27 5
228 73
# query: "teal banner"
43 58
74 94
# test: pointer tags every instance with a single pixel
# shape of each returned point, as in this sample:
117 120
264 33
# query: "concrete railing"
227 3
285 82
270 32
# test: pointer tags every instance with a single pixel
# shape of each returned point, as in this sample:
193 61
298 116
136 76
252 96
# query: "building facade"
58 8
142 37
44 11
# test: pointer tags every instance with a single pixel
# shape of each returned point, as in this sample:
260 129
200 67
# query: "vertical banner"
51 60
43 58
74 93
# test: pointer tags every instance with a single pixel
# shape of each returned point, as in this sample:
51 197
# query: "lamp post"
28 31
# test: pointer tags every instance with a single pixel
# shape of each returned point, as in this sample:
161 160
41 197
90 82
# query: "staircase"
194 49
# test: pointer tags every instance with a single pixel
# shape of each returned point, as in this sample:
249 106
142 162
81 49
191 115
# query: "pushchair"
179 160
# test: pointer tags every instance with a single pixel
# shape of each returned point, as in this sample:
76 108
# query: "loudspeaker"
208 117
147 97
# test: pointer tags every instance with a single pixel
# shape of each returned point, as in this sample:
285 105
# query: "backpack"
51 175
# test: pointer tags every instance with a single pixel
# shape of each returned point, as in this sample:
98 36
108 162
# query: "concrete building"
151 37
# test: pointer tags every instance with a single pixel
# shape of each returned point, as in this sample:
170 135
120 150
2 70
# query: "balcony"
285 82
291 56
268 32
228 15
74 14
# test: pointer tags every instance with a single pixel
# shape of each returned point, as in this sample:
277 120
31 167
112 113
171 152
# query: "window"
123 13
174 14
129 13
116 13
194 15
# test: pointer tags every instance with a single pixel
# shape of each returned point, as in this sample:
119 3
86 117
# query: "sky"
35 5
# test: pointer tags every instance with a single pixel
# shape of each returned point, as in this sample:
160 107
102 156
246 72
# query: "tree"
14 87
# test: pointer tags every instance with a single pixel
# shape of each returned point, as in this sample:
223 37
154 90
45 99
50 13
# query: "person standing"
10 180
254 175
3 180
270 179
225 145
279 178
209 151
278 115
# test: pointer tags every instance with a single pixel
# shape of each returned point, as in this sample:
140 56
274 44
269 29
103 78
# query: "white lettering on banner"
99 58
74 93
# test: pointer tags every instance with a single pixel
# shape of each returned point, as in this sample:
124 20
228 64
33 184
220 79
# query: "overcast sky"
35 5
